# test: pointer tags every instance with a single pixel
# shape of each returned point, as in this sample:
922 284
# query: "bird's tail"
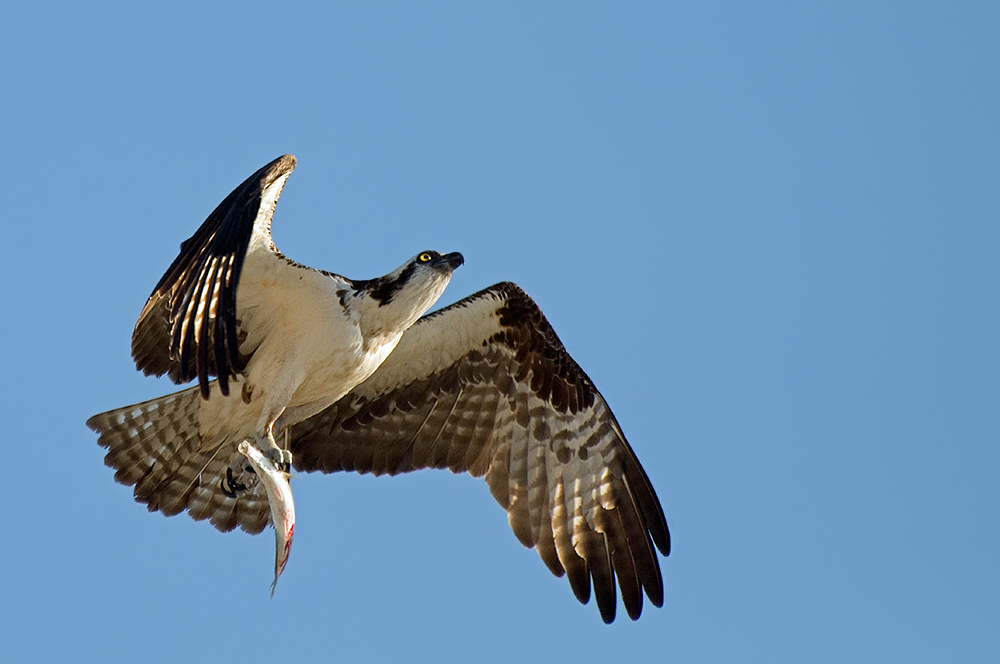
156 447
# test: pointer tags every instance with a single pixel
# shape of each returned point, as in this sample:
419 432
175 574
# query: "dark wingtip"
659 532
608 611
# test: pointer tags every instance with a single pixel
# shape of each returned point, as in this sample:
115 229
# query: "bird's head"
394 302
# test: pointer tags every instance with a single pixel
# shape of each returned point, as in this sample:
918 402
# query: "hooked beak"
450 261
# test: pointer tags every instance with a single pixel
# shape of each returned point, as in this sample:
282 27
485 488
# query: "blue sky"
768 231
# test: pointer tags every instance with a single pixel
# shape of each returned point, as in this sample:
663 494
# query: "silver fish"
279 498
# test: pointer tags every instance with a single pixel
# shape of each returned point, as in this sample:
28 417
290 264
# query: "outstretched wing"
188 327
485 386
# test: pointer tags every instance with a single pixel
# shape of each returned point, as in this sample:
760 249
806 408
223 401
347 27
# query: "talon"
281 458
233 485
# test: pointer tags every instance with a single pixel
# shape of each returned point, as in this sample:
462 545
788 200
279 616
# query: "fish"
279 499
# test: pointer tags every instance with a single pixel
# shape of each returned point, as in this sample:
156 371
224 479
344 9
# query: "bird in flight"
325 373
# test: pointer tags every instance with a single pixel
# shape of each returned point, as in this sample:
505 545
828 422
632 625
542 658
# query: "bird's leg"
264 435
281 457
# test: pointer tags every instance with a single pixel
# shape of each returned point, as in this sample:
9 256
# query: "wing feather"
485 386
188 328
562 532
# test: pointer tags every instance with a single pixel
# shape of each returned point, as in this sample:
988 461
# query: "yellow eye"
424 257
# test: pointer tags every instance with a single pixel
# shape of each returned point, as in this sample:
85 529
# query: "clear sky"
768 231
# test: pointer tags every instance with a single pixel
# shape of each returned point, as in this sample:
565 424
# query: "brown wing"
188 327
485 386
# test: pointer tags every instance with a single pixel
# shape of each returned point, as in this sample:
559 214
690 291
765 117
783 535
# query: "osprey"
333 374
